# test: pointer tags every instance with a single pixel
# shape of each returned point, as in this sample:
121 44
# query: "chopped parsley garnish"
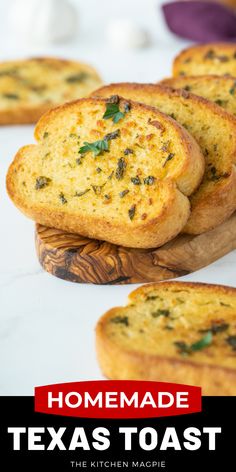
113 135
131 212
233 89
98 147
113 112
136 180
169 157
149 180
98 189
120 320
123 193
76 78
186 349
128 151
80 194
231 340
62 198
121 166
216 328
46 134
42 182
11 96
160 312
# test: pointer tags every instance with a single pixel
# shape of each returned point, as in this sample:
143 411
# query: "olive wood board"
82 260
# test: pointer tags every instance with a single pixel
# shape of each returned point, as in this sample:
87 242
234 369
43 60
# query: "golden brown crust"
221 201
28 112
218 207
220 68
120 364
154 232
22 116
125 87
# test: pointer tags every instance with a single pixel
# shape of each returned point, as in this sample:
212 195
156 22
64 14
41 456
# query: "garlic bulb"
43 21
125 33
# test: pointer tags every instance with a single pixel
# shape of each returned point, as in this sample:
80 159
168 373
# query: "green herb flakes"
98 189
62 198
160 312
123 193
80 194
216 328
113 112
169 158
131 212
42 182
98 147
46 134
121 166
77 78
231 340
113 135
128 151
187 349
11 96
149 180
233 89
127 107
120 320
136 180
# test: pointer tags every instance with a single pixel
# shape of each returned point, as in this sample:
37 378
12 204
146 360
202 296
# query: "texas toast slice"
215 131
211 58
30 87
100 169
172 332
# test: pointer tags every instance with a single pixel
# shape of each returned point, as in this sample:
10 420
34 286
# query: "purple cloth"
201 21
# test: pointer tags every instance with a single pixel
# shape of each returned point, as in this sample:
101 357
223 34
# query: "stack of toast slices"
136 165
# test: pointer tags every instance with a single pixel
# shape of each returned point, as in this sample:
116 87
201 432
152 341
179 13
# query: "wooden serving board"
78 259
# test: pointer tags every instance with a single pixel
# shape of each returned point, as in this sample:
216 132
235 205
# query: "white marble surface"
46 324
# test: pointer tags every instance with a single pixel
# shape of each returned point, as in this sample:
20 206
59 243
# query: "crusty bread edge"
198 47
217 208
119 364
170 81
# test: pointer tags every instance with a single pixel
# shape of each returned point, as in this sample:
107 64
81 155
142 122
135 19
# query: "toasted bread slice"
211 58
215 131
99 170
218 89
173 332
30 87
